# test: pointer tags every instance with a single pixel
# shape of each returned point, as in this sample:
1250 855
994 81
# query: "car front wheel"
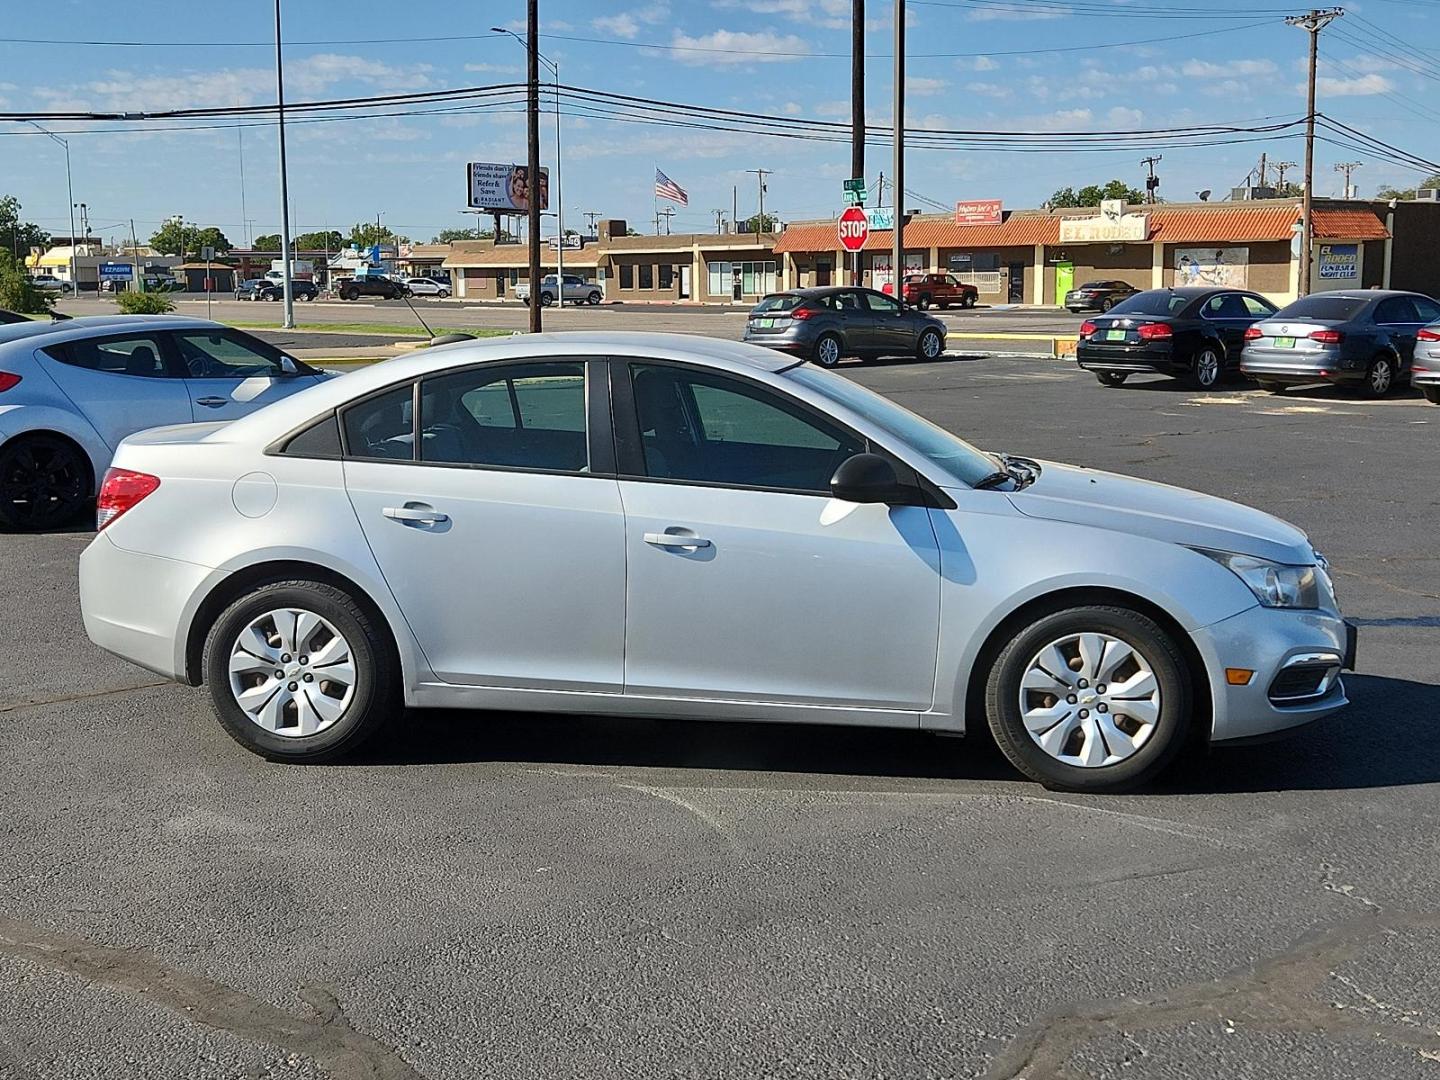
593 298
1092 698
299 671
930 345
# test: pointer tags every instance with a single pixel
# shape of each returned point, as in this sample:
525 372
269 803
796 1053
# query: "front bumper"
139 606
1269 641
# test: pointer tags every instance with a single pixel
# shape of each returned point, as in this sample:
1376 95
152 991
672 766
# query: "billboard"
1112 225
504 189
113 271
1339 262
1227 268
978 212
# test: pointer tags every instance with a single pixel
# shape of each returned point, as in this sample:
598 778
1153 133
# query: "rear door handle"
421 515
676 540
212 402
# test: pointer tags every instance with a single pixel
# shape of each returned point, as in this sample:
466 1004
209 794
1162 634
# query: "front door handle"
676 540
212 402
421 515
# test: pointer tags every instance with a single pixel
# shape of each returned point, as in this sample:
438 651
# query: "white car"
51 283
71 391
424 286
676 526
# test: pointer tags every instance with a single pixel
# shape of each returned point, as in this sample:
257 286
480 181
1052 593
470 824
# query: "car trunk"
1296 335
1121 331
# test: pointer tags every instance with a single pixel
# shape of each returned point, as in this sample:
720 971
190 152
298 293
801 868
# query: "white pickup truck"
577 291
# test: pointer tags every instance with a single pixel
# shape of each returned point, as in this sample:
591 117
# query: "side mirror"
288 366
870 478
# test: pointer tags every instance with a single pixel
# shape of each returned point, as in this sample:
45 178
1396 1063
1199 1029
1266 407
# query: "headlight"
1275 585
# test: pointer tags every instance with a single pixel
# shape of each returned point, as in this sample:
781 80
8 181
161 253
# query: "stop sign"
854 228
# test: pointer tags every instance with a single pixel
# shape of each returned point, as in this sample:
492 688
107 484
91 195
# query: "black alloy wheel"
45 482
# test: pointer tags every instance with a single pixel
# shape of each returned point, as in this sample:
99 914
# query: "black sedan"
825 324
1098 295
1196 334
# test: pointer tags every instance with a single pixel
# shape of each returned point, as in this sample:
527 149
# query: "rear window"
1327 308
780 302
1153 302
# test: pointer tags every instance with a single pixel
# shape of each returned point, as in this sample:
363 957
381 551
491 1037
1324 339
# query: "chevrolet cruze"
680 527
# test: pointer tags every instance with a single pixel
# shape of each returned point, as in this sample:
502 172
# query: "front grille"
1301 681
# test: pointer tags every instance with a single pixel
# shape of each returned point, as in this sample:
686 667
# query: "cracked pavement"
495 895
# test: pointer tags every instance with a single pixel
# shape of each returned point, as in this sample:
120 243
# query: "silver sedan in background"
674 526
1425 373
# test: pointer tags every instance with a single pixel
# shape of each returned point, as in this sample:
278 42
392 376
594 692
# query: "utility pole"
1262 169
857 102
289 292
1152 181
880 190
1312 23
719 221
760 174
592 215
1347 167
244 218
532 138
1281 168
735 207
667 214
897 253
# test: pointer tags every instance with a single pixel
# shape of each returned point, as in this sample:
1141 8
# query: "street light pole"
897 255
70 190
289 292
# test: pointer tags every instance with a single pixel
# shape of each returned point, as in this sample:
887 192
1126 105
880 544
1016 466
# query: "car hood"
1144 508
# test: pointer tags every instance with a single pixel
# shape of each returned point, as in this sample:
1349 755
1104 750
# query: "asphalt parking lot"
492 895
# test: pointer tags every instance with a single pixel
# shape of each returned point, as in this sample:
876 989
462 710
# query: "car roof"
69 329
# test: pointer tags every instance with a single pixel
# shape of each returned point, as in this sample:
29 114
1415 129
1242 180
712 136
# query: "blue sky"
1226 62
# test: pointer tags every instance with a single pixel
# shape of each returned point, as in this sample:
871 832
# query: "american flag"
668 189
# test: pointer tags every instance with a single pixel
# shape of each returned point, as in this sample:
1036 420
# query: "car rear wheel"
970 300
1432 394
1205 369
45 482
1379 377
299 671
923 303
826 352
1111 378
1092 698
929 346
1106 304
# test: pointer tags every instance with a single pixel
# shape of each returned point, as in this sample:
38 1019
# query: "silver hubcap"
1207 368
1380 376
292 672
930 345
1090 700
829 351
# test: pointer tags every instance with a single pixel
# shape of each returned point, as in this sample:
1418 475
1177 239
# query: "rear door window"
381 427
139 355
517 416
882 305
1396 310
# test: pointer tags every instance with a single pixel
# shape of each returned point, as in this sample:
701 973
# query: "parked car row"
1373 340
271 288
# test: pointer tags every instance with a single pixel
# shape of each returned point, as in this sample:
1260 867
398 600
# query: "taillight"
1087 328
1253 333
121 490
1328 337
1424 335
7 380
802 313
1156 331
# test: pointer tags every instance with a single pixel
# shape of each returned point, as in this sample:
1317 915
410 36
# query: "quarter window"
519 416
710 429
140 356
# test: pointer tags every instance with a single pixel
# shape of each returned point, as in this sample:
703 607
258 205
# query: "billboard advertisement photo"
504 189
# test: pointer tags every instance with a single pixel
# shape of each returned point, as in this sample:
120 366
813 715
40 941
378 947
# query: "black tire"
1141 633
376 689
46 482
1431 394
970 300
827 351
924 302
1106 304
594 297
348 294
1207 367
443 294
546 299
1112 378
1380 377
929 345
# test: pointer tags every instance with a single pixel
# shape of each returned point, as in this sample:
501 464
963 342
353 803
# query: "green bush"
16 291
144 303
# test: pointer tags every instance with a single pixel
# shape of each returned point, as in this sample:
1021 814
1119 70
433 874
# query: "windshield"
779 302
1154 302
950 452
1326 308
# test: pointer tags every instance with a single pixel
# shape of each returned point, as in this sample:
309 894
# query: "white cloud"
997 14
1206 69
977 63
623 25
1357 87
493 69
837 107
724 48
1122 117
988 89
924 87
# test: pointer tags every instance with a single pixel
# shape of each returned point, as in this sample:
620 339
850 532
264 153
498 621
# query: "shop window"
667 276
627 276
647 276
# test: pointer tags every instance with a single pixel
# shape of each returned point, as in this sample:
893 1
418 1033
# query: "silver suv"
577 291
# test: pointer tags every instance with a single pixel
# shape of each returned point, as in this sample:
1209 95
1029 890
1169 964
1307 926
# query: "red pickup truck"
936 290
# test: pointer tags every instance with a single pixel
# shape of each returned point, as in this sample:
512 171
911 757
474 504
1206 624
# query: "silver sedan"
672 526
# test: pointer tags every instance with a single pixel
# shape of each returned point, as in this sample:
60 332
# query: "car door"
500 530
228 373
121 383
746 580
856 321
1227 316
895 328
1400 322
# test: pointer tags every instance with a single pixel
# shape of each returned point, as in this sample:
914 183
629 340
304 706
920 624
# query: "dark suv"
383 287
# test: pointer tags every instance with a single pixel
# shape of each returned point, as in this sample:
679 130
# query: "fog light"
1238 676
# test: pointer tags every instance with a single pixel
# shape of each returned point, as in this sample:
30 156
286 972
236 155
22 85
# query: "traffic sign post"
854 228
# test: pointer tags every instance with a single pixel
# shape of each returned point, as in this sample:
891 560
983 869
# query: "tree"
268 242
450 236
17 236
365 235
17 293
1409 193
177 238
331 240
756 224
1095 194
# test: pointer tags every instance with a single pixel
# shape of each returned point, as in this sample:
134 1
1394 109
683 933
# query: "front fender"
17 420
